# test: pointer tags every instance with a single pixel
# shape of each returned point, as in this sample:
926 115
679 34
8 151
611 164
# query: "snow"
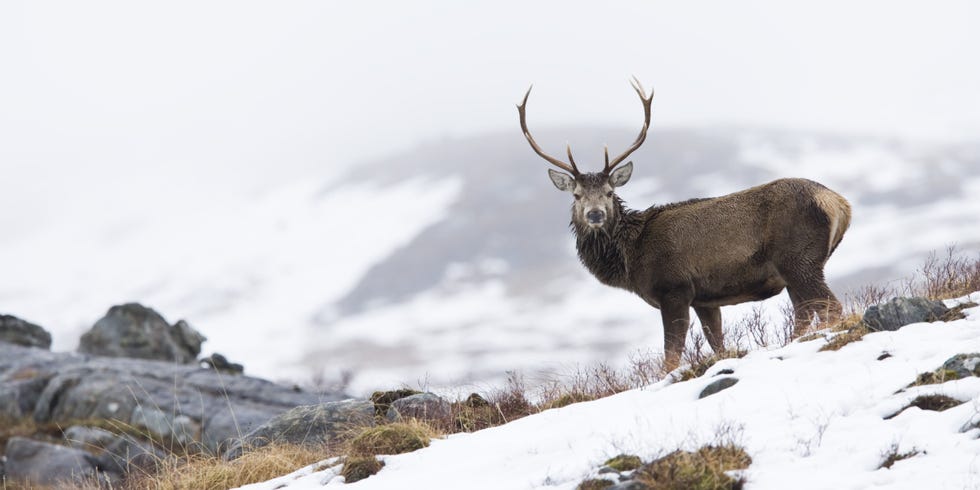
808 419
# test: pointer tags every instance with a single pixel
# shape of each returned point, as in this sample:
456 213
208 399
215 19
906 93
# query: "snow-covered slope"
452 263
808 419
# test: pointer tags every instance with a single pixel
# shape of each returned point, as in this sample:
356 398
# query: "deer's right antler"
643 132
537 149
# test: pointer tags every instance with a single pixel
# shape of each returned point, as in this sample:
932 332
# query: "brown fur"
708 253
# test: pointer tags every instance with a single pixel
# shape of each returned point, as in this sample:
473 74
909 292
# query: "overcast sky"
101 97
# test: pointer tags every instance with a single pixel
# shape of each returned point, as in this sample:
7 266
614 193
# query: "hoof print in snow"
716 386
898 312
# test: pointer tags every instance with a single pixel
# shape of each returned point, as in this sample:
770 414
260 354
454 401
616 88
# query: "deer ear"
621 175
562 181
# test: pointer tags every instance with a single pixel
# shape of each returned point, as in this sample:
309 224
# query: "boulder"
718 385
13 330
423 406
50 465
133 330
899 312
114 452
177 404
312 425
964 365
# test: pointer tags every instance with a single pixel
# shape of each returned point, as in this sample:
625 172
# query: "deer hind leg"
676 315
711 324
812 298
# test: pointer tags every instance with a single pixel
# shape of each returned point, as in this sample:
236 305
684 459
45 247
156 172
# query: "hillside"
808 419
450 264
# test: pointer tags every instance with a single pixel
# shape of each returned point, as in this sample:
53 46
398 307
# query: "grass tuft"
704 469
850 329
394 438
214 473
357 468
624 462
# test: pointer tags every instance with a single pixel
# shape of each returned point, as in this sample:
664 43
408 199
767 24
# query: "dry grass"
704 469
201 472
394 438
892 456
850 329
699 362
946 276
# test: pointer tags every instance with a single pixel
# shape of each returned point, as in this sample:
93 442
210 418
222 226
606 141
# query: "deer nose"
595 216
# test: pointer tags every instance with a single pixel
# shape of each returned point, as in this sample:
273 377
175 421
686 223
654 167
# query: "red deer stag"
704 253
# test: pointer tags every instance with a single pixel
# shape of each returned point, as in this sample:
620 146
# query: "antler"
537 149
643 132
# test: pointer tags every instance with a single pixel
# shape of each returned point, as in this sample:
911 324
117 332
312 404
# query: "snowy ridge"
808 419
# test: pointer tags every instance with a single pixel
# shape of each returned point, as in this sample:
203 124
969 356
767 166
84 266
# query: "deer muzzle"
595 217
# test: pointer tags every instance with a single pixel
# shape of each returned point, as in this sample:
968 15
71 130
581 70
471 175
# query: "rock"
177 404
13 330
963 364
132 330
423 406
313 425
221 363
44 464
114 452
718 385
899 312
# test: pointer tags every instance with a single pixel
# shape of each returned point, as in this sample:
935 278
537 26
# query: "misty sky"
103 103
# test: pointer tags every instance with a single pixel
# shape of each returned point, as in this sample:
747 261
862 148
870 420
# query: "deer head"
595 206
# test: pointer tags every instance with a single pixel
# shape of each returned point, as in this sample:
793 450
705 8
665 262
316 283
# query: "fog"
109 106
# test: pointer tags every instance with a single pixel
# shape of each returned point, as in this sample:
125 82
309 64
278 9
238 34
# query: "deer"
703 253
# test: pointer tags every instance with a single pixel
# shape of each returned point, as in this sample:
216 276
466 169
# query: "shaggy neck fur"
605 251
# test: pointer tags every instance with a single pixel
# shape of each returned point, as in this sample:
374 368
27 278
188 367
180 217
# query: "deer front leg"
675 310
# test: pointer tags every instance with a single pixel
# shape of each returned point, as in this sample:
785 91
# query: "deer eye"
578 196
609 194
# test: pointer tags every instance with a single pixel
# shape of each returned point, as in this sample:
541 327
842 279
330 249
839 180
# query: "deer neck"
605 251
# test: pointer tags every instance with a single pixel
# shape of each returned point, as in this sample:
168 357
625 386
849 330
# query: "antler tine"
537 149
643 132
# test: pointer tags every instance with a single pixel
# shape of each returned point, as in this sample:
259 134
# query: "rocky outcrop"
313 425
133 330
112 409
13 330
899 312
183 403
